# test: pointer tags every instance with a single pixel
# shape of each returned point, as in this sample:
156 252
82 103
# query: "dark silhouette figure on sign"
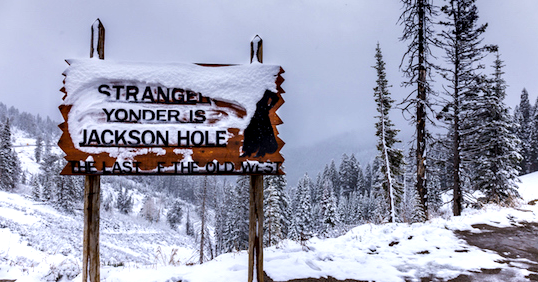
259 135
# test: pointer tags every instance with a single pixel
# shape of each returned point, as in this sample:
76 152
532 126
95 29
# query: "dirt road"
518 245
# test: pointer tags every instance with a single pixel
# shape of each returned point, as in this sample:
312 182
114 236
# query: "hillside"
40 243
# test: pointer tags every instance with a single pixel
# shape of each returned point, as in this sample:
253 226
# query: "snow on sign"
141 118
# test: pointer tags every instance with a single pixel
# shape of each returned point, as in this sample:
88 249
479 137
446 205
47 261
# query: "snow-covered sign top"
146 118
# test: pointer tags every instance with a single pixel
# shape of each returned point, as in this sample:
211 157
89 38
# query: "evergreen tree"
366 207
533 138
302 224
276 220
36 188
361 181
149 210
417 19
10 169
49 177
38 149
390 157
525 130
68 191
348 173
439 171
189 230
328 209
368 179
461 41
493 144
333 174
221 219
411 204
239 214
124 202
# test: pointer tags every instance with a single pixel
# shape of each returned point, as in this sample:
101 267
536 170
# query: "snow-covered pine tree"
328 209
10 169
348 173
492 145
189 230
523 117
124 202
302 219
361 180
38 152
149 210
333 174
379 200
411 210
461 40
275 209
67 191
534 137
366 207
221 218
49 175
239 214
36 188
202 196
315 196
391 158
342 211
418 20
368 179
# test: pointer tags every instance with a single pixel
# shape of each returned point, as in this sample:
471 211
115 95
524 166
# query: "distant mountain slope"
312 159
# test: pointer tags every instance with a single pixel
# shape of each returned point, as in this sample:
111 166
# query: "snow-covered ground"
38 243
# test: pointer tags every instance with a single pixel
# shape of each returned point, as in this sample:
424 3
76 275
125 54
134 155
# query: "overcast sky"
326 48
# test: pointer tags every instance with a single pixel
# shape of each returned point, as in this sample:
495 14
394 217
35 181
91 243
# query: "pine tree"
10 169
348 173
124 202
439 171
533 137
36 188
493 145
525 130
239 214
38 149
174 214
302 223
411 204
390 157
49 177
220 219
417 19
189 230
361 180
149 210
368 179
328 209
333 174
202 212
461 41
276 218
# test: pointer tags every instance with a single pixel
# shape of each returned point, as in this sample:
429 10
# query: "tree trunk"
421 112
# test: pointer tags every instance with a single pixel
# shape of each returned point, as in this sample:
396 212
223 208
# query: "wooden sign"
177 119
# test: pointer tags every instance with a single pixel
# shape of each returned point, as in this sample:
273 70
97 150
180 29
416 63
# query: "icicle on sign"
126 118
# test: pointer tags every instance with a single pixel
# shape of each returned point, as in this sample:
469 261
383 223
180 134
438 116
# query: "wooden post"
255 226
92 188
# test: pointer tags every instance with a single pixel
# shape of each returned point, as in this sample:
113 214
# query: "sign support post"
92 188
255 225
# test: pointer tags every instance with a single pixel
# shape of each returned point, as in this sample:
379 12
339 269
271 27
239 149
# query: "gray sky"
326 48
